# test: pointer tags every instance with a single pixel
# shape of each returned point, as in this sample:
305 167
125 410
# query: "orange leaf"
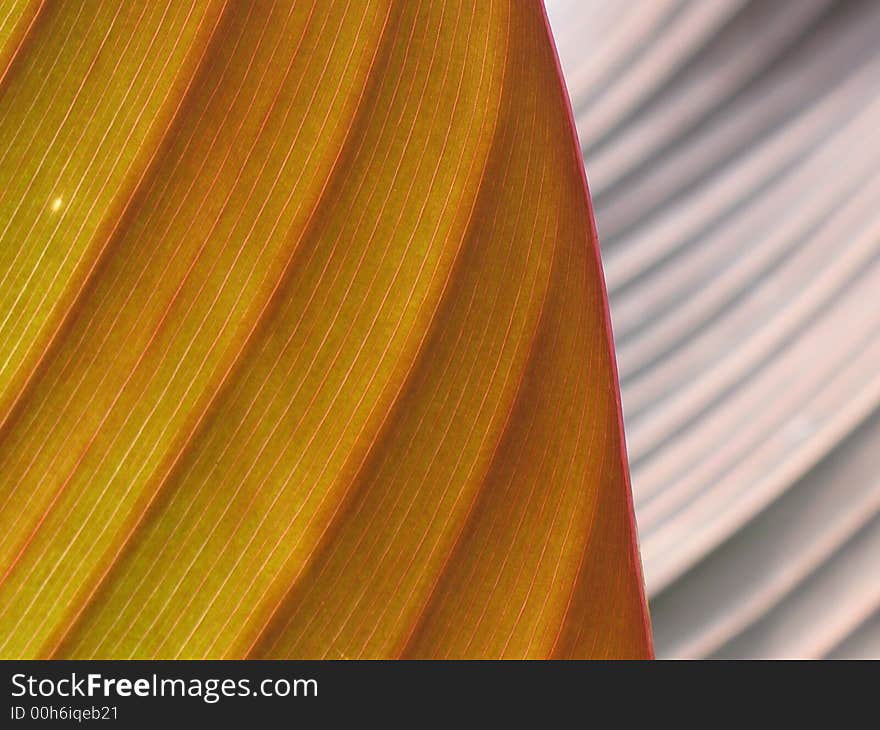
304 348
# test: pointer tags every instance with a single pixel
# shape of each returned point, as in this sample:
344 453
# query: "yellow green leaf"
304 348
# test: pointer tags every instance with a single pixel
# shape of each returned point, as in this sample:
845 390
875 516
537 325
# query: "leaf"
305 349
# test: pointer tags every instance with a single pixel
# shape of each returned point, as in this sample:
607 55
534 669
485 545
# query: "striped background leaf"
733 156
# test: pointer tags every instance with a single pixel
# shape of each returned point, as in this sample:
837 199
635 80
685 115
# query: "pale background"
733 155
